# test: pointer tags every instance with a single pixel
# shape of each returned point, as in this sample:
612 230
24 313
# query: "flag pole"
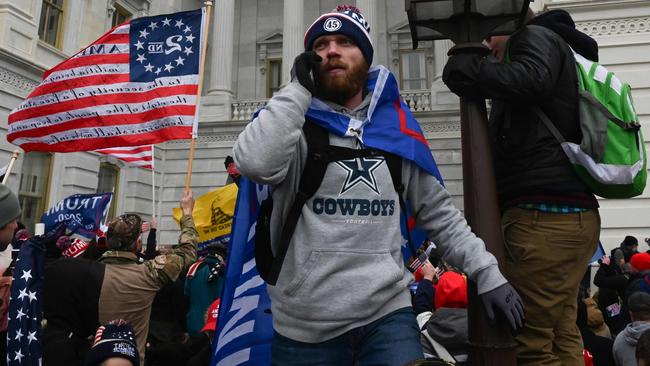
153 183
204 48
14 156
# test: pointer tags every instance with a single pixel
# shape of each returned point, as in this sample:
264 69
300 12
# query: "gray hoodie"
625 343
344 267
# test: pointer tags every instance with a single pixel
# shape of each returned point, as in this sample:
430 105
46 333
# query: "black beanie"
629 241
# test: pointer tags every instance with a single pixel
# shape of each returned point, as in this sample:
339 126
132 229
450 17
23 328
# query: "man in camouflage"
129 287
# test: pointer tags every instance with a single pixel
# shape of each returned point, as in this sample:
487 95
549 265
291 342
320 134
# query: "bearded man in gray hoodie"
341 297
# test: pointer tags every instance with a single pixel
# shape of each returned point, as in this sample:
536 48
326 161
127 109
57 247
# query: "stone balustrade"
417 100
242 110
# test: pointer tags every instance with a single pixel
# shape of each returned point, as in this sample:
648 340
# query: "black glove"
303 67
461 74
506 299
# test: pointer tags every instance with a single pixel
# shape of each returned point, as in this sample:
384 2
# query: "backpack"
611 158
319 154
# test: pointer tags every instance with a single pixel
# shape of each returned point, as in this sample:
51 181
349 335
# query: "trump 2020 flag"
135 85
24 327
82 214
244 326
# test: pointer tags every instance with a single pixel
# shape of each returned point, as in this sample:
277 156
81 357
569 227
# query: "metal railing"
417 100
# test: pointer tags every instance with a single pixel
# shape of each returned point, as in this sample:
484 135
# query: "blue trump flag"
244 326
82 214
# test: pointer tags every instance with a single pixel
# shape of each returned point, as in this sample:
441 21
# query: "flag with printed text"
137 84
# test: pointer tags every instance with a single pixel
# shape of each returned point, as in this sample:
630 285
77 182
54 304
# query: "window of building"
273 76
109 175
413 70
49 29
120 15
33 188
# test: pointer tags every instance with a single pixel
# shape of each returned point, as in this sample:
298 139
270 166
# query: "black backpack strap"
312 176
319 154
394 163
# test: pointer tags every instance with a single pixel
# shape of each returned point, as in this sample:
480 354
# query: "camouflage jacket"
129 287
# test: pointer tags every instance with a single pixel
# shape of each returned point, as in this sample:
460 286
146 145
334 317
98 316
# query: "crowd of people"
113 298
344 175
613 321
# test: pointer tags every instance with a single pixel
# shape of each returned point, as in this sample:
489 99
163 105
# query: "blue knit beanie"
346 20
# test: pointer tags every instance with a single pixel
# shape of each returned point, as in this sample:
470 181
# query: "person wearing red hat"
202 357
640 262
451 291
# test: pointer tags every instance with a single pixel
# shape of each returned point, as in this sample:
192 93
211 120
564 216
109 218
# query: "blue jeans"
392 340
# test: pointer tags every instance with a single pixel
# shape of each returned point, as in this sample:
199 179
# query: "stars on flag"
19 316
31 336
159 39
27 275
19 356
24 325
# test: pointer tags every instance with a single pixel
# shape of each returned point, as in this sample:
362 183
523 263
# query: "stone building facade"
250 52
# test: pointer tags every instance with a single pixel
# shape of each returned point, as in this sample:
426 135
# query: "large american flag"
135 85
141 156
24 329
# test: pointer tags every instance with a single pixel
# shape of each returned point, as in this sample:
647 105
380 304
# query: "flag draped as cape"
244 326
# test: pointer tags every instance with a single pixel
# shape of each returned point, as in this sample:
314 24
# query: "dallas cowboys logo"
166 45
360 170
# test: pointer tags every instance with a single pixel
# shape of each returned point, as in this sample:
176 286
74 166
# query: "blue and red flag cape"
244 326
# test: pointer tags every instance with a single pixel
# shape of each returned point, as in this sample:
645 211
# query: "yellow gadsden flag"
213 213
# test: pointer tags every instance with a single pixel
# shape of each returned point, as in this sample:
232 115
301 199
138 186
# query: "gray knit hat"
9 206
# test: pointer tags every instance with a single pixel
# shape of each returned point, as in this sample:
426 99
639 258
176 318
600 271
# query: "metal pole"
491 345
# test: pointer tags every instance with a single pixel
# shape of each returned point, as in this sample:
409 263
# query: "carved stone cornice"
17 81
615 26
451 126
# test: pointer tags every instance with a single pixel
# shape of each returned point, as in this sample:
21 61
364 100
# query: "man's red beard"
340 88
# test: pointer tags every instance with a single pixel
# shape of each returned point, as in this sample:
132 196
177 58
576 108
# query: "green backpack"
611 158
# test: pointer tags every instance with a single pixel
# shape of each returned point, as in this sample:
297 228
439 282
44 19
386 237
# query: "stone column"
440 49
441 97
221 50
293 32
369 11
216 103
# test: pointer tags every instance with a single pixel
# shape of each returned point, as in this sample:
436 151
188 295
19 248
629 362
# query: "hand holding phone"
303 69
